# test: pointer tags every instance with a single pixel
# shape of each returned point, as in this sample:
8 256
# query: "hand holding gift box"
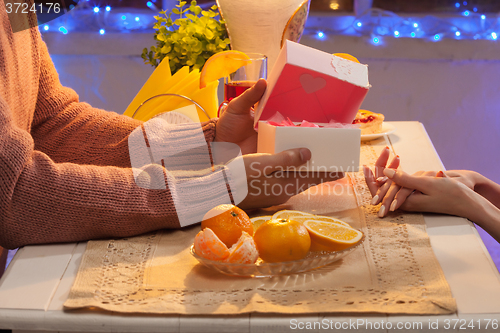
318 87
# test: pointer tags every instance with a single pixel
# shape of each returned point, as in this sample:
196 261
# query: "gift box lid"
309 84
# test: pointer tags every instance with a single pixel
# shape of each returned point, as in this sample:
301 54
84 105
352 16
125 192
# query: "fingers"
266 164
388 199
243 103
370 180
381 162
405 180
383 187
395 162
400 198
393 165
441 174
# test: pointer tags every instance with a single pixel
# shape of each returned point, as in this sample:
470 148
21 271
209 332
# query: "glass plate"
313 260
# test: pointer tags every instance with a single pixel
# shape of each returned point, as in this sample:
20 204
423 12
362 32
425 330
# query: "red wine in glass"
236 88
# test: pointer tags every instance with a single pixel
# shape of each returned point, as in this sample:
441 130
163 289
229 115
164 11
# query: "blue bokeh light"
102 31
320 34
494 36
96 9
396 33
63 30
46 27
149 4
108 8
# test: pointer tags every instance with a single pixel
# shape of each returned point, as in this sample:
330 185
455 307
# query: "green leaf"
166 49
209 34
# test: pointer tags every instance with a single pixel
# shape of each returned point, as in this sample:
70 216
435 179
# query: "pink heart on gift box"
311 84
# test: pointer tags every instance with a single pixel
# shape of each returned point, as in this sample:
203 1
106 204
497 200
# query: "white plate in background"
386 130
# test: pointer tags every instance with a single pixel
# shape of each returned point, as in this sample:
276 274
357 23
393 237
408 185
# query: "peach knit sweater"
65 171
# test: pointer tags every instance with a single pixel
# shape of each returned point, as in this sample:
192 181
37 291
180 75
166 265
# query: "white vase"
257 26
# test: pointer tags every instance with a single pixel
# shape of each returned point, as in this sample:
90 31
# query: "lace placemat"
394 271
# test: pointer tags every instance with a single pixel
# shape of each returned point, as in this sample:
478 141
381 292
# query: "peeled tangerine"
209 246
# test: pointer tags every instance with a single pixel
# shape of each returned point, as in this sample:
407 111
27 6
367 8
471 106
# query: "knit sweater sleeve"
70 178
71 131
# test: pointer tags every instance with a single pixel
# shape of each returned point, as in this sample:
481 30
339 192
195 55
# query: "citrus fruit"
221 65
244 251
282 240
330 236
209 246
347 56
257 221
329 219
227 222
288 214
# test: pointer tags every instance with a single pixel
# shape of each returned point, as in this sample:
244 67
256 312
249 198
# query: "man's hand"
236 123
273 178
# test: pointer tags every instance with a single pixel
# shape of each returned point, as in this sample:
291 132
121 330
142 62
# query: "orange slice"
244 251
257 221
329 219
347 56
289 214
221 65
332 237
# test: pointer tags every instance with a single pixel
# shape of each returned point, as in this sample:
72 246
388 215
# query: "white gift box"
332 149
308 84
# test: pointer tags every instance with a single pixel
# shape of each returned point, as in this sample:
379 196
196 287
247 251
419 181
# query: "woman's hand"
439 194
273 178
378 184
466 177
236 123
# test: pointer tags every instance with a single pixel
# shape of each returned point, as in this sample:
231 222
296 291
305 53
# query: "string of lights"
376 24
379 24
89 17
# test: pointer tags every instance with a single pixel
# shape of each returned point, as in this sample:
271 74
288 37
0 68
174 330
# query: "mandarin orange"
282 240
227 222
209 246
243 251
